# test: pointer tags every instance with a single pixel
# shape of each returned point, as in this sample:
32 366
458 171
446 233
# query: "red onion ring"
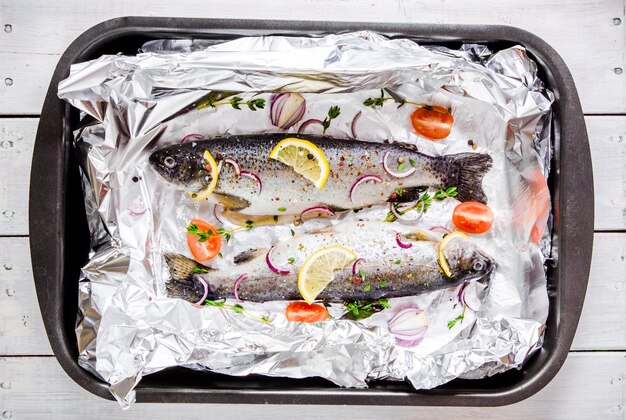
255 177
241 277
353 125
461 296
192 136
407 333
400 217
401 244
361 180
354 268
321 209
199 303
268 260
137 213
216 214
391 172
440 229
308 123
235 165
276 108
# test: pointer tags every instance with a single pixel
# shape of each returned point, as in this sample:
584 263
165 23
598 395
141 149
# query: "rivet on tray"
618 70
8 266
7 414
8 28
8 81
617 21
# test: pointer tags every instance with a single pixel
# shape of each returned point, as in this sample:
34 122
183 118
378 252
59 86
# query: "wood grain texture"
41 30
602 325
607 136
588 386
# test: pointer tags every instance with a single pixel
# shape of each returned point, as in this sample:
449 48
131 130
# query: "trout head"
181 165
466 260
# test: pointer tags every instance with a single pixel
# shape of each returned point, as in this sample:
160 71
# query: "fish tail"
472 168
183 283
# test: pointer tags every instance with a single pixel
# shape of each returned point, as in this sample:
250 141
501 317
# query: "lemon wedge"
213 168
317 271
304 157
443 262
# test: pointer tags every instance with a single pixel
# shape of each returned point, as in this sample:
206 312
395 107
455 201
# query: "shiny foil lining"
128 328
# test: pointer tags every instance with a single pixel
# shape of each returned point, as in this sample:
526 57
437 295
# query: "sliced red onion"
409 326
402 217
216 213
235 165
354 266
308 123
255 177
316 209
440 229
268 260
461 297
401 244
361 180
241 277
287 109
353 125
392 172
192 136
199 303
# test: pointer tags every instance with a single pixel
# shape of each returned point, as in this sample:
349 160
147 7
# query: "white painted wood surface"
588 34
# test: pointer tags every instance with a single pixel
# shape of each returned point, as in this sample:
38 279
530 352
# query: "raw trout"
388 271
285 192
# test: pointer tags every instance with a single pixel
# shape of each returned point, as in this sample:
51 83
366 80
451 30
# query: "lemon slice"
317 270
443 262
214 170
304 157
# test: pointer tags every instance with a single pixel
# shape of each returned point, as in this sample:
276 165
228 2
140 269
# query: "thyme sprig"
380 101
237 308
424 202
333 113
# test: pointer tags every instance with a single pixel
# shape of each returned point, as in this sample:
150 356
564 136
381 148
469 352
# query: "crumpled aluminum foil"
128 328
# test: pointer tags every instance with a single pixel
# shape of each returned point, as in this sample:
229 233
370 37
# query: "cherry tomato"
472 217
303 312
207 249
432 122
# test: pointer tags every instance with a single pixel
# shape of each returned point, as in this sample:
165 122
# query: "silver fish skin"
388 270
285 192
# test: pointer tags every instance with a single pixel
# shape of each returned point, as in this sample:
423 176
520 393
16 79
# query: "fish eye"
169 162
478 265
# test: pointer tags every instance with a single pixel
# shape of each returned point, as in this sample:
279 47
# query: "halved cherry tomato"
303 312
433 122
472 217
207 249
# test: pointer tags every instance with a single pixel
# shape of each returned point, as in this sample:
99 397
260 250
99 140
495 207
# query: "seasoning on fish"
356 178
386 271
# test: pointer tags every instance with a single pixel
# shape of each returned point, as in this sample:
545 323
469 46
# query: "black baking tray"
60 238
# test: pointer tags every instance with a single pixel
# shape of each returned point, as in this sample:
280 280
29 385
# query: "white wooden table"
588 34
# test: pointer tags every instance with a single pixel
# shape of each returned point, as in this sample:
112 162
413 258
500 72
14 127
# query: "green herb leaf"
291 260
219 254
218 304
200 270
237 308
367 288
412 162
249 224
362 274
282 209
401 166
265 319
333 113
397 262
362 310
452 323
382 284
292 232
399 191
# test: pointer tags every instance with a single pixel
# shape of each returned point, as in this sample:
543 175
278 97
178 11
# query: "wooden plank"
607 136
602 325
17 138
40 31
588 386
21 327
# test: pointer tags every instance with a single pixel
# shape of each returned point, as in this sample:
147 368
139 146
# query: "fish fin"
183 268
241 219
231 202
423 235
248 255
472 168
